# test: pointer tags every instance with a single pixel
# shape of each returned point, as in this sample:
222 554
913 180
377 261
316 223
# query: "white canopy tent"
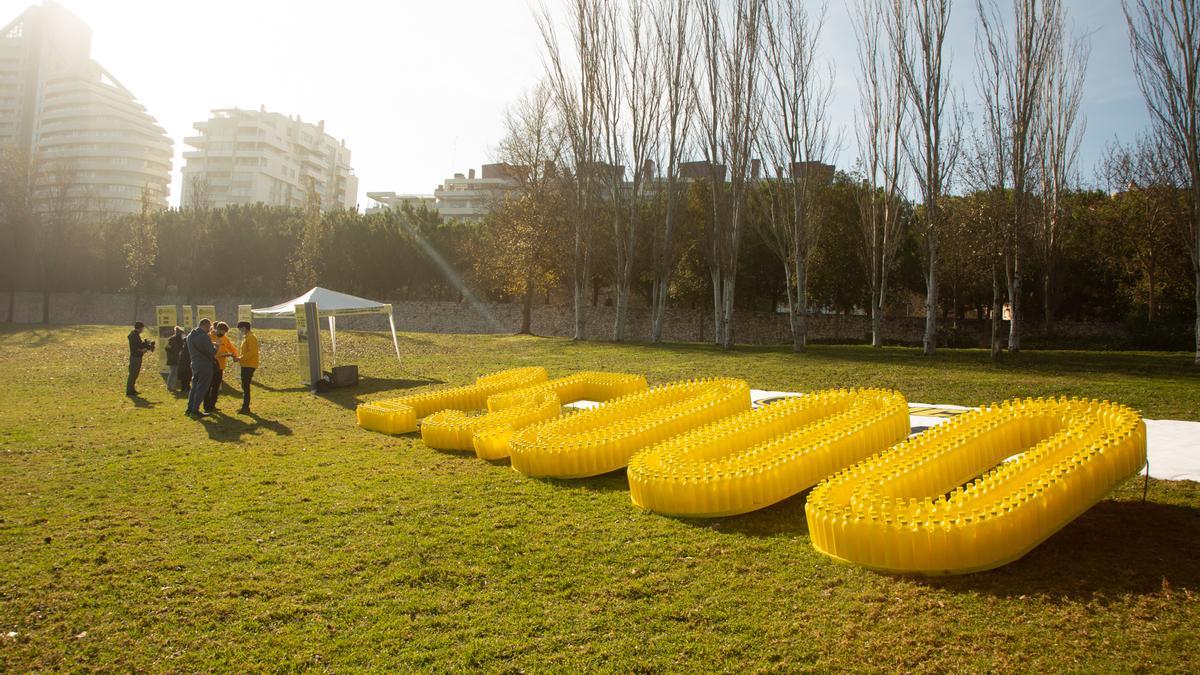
331 304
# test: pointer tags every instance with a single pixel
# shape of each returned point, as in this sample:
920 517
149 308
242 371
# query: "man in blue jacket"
203 353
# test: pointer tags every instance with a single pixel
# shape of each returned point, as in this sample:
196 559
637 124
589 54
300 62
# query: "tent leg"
395 343
333 337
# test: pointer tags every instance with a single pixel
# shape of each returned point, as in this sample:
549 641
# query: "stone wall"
681 325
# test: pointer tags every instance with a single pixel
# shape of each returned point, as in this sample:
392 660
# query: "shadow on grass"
1114 549
781 519
140 401
351 397
609 482
231 428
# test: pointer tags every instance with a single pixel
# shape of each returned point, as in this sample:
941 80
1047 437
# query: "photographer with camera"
137 348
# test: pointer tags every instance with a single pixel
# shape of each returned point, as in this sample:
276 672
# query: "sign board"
243 313
308 342
164 318
206 312
187 318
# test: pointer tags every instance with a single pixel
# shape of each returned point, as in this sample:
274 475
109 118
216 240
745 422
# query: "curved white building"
95 147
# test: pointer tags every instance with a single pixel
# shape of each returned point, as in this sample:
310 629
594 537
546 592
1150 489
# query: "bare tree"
1164 36
1060 130
1021 59
987 172
879 126
574 87
727 103
918 28
628 100
797 139
677 59
643 79
532 142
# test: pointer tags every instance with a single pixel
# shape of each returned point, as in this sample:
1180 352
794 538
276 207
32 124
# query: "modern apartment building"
256 156
94 148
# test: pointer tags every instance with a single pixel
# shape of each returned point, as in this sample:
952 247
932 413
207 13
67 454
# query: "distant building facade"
461 197
384 201
94 148
252 157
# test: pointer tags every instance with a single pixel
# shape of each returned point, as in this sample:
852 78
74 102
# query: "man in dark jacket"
137 347
203 353
175 354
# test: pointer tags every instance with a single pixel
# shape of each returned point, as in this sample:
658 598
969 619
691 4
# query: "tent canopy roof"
329 303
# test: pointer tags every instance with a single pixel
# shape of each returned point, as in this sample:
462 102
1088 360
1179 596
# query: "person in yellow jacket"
225 349
249 362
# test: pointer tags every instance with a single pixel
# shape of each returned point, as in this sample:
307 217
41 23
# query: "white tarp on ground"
1172 446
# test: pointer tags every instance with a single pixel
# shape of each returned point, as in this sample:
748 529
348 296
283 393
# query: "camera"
149 344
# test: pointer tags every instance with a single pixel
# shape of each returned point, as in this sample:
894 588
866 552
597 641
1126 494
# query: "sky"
418 88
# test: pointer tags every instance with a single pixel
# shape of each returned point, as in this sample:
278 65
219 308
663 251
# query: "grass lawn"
132 538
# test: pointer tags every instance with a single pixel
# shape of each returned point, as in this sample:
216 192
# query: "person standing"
137 348
249 361
203 360
175 354
224 349
185 366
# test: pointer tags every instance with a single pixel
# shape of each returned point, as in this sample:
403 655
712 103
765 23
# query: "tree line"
679 153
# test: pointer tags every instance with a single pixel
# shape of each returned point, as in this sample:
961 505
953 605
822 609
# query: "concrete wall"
754 328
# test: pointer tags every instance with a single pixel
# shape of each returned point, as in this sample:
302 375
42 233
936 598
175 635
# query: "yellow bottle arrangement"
489 434
603 439
759 457
948 502
400 415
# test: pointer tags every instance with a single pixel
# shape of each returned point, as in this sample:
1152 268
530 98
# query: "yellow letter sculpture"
488 434
400 415
759 457
603 439
907 510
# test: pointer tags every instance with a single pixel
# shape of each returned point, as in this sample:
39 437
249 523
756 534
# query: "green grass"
132 538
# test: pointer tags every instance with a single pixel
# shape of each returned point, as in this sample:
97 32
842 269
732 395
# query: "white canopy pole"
333 336
392 323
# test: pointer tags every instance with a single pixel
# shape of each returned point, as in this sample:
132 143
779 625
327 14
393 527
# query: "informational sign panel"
244 313
165 319
187 318
206 312
308 342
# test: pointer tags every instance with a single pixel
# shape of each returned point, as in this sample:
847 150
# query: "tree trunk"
527 308
997 313
931 300
1196 274
658 312
581 275
727 315
1048 300
1014 301
622 306
12 305
1150 297
718 317
662 271
876 325
795 308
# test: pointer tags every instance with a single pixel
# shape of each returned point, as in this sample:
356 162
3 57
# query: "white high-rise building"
252 157
95 149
